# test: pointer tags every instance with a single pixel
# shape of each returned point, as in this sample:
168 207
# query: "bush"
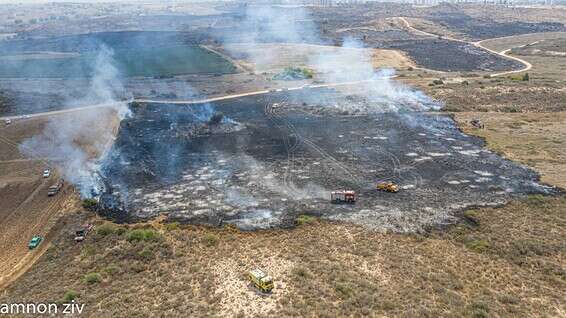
438 82
477 245
172 226
105 229
304 219
526 77
111 269
472 217
69 296
146 253
92 278
90 204
138 235
210 239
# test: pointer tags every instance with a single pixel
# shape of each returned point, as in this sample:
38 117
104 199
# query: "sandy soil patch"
274 57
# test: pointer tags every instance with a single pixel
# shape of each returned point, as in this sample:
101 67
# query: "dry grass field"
535 139
275 57
497 262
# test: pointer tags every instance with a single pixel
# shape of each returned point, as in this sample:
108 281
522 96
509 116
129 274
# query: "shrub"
146 253
343 289
111 269
477 245
526 77
119 230
510 109
90 204
105 229
210 239
92 278
69 296
437 82
304 219
472 217
478 310
138 235
172 226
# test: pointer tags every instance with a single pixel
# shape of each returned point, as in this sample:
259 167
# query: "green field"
149 62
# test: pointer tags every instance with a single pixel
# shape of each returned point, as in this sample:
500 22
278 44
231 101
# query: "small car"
46 173
34 242
7 121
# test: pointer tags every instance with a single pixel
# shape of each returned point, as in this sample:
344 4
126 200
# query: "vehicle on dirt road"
34 242
387 187
54 189
81 233
46 173
343 196
477 123
7 121
261 280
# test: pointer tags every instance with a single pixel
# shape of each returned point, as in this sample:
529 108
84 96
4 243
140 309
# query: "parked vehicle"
81 233
54 189
46 173
34 242
261 280
343 196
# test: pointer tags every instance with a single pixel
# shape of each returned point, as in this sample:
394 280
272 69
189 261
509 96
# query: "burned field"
259 162
454 56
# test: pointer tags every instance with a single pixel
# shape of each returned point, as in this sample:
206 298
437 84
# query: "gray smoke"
75 142
352 62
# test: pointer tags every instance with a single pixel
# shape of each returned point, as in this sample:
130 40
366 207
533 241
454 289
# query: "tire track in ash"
290 148
324 155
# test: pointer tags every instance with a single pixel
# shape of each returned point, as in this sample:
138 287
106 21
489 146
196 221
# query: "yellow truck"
261 280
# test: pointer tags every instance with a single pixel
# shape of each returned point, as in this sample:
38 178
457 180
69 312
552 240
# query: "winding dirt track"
527 65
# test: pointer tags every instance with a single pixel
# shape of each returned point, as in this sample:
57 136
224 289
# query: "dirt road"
25 209
189 102
527 65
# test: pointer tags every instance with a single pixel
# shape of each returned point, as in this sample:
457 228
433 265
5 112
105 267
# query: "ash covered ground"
273 157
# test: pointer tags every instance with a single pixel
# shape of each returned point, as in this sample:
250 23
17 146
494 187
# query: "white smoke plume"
352 62
74 142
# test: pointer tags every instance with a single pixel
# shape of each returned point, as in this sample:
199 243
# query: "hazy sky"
102 1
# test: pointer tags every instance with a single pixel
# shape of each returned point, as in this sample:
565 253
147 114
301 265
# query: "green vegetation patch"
142 235
304 219
93 278
149 62
294 74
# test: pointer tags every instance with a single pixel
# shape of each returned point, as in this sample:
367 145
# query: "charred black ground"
264 160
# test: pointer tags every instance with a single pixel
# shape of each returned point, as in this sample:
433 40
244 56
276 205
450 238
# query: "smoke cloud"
75 142
352 62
